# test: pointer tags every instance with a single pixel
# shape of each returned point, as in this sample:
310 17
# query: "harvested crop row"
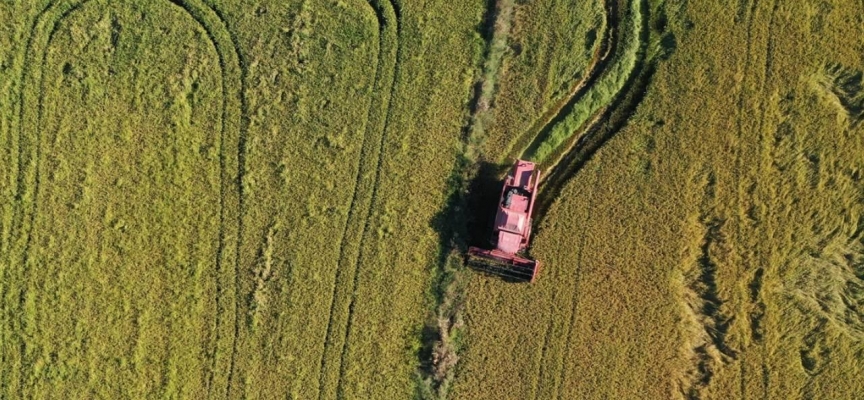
600 93
542 68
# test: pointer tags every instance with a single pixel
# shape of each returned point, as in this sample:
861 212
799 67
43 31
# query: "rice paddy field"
214 199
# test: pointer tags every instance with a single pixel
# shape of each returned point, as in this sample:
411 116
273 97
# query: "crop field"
272 199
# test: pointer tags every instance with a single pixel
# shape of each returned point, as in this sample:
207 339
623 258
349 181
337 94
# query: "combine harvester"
512 229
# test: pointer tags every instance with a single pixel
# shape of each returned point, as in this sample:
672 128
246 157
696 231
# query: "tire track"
232 58
623 108
397 13
607 46
368 152
333 347
757 283
18 227
748 16
605 124
35 57
756 318
596 135
17 208
755 286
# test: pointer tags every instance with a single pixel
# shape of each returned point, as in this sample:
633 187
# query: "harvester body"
512 229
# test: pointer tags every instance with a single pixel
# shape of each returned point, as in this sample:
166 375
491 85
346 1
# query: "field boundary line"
46 22
368 153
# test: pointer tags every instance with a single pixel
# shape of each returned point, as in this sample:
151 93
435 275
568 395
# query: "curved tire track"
368 152
44 27
607 47
397 15
348 269
600 127
17 221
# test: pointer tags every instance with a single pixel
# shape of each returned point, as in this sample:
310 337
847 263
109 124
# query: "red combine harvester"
512 229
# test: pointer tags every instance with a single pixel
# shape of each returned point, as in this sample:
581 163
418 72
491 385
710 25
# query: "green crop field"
273 199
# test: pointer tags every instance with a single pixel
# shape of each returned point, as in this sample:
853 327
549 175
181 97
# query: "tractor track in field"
756 302
748 16
375 152
353 208
18 215
546 338
617 114
601 60
234 57
397 11
243 134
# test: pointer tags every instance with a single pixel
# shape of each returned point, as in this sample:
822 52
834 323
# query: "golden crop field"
709 246
273 199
